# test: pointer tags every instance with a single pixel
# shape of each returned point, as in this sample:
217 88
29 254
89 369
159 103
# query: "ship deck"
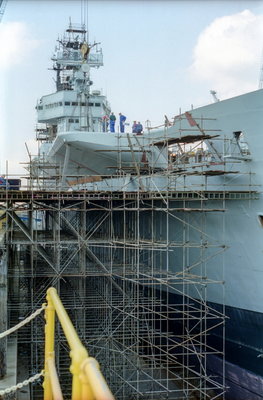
51 195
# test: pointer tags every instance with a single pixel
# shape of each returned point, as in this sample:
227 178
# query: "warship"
208 159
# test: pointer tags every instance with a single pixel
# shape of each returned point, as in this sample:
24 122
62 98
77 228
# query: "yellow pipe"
78 352
78 355
55 386
69 330
49 346
98 385
87 381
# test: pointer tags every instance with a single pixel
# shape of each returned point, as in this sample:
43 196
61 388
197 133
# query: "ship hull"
236 227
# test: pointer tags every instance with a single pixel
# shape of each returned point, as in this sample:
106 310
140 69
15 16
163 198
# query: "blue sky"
159 56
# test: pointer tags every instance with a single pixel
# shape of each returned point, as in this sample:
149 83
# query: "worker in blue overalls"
3 183
122 122
139 128
112 122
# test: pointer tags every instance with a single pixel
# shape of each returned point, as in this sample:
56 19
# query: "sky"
159 57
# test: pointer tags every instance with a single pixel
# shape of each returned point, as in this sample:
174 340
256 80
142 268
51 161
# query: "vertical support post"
4 260
65 166
30 293
49 345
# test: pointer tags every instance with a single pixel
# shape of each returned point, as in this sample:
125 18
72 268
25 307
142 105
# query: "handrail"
88 382
54 381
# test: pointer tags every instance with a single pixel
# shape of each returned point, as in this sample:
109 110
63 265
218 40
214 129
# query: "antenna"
213 93
84 15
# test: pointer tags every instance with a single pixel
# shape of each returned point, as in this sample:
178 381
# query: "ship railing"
88 382
94 60
65 55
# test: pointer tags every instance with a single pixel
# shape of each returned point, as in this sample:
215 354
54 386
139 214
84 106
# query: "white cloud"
228 53
15 43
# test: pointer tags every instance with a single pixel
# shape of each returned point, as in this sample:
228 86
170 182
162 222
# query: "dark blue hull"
244 347
241 384
243 352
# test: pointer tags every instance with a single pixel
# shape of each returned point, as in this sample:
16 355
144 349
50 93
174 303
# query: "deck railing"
88 382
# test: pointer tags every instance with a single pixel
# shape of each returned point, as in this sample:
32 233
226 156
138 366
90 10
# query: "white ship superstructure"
74 106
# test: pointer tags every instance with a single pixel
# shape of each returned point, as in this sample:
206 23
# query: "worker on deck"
122 122
105 123
139 128
112 122
134 127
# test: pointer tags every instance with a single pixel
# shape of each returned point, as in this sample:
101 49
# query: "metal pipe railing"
88 382
54 381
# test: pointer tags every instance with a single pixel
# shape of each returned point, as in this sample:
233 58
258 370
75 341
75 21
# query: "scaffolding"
141 273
